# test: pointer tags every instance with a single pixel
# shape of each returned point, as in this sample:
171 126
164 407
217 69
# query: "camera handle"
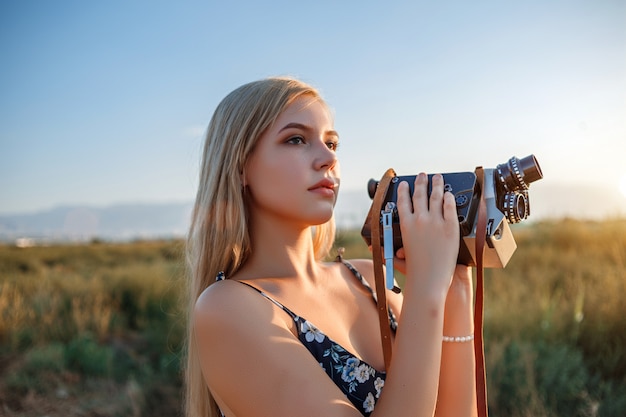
381 285
387 219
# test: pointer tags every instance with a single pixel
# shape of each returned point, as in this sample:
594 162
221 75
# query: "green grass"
97 329
90 322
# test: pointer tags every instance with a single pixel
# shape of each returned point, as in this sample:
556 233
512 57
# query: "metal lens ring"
518 175
502 176
516 206
510 176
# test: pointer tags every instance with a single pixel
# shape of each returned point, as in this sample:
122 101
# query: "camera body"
505 191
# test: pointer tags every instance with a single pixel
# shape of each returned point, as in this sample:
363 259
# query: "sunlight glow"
622 184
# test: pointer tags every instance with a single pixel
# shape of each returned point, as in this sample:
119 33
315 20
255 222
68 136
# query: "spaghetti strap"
285 309
222 277
393 322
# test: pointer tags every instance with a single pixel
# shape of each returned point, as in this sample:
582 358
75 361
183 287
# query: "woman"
274 330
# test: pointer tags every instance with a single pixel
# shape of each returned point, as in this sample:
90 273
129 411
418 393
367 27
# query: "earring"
242 179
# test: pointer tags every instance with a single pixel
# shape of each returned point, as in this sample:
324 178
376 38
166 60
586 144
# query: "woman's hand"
399 261
430 232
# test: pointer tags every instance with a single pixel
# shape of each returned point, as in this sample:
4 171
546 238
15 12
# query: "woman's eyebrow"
294 125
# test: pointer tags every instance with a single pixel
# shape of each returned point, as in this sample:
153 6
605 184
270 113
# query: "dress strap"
393 322
285 309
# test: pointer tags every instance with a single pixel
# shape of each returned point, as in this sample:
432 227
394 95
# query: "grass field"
96 329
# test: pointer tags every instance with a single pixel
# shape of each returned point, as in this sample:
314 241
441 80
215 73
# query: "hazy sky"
104 102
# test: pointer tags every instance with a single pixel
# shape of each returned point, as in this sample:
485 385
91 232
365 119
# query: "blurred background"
103 106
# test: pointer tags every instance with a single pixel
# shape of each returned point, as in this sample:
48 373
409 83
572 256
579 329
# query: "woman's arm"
457 382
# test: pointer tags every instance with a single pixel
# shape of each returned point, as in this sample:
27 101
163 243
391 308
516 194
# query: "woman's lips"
326 187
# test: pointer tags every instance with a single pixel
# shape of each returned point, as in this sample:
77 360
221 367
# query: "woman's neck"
280 250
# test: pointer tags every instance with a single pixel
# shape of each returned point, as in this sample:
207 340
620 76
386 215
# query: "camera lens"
516 206
531 169
517 174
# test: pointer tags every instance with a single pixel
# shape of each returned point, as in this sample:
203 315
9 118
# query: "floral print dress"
360 382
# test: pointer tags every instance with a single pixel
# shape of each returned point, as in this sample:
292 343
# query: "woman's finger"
405 207
449 207
436 193
420 194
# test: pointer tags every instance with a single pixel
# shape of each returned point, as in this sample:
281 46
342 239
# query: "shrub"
38 370
85 356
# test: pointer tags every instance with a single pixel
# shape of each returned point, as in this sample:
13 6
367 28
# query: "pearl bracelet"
458 338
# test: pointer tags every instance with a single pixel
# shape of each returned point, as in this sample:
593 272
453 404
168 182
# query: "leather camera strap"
479 350
377 258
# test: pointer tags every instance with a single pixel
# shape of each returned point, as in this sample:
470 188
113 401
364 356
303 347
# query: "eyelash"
294 138
332 145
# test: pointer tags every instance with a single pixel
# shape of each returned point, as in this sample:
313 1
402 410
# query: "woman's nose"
326 157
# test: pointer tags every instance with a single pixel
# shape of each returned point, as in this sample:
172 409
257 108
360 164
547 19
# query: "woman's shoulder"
230 305
365 267
362 265
218 297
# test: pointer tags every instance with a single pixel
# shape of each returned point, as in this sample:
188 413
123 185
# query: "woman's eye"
296 140
332 145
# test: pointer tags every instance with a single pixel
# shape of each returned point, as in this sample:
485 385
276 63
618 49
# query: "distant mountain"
117 222
148 221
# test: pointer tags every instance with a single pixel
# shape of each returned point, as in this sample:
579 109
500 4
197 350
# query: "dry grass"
83 324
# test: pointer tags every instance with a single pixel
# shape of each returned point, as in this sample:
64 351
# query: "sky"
106 102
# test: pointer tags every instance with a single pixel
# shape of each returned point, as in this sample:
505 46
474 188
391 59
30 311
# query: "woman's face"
293 172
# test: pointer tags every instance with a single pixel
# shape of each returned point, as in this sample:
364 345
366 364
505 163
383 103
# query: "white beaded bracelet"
458 338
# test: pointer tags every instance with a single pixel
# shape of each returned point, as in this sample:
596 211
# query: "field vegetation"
97 329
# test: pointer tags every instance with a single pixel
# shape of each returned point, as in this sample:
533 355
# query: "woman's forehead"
306 106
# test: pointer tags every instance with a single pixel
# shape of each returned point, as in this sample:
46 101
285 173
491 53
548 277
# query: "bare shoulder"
229 305
216 303
366 269
253 363
364 266
218 299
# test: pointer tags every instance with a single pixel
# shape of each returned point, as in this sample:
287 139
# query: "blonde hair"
218 238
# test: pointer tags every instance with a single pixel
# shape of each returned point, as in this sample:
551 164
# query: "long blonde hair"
218 238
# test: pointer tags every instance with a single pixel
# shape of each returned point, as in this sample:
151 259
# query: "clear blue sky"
104 102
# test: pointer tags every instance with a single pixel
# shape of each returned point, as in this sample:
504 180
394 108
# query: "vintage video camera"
505 191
